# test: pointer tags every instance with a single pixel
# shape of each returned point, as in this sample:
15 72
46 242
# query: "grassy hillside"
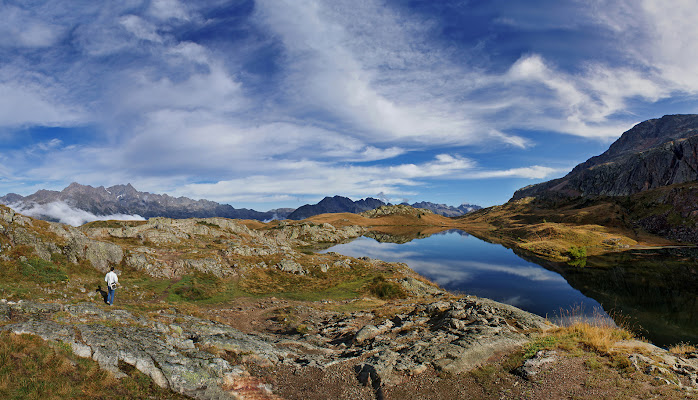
555 229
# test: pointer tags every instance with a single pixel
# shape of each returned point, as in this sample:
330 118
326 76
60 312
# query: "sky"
279 103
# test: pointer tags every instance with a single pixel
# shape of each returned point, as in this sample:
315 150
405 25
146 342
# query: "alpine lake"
654 293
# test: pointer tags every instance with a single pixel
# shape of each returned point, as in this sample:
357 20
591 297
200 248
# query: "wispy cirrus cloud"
316 179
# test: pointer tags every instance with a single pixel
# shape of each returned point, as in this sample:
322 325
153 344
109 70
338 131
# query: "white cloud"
533 172
66 214
140 28
28 103
369 68
302 178
22 29
167 9
660 39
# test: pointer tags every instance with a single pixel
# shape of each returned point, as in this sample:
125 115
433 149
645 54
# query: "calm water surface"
462 263
653 293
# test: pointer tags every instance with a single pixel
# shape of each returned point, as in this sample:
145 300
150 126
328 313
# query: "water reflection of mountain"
655 292
405 237
456 231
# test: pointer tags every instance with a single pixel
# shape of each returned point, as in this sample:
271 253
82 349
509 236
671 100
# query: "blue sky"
278 103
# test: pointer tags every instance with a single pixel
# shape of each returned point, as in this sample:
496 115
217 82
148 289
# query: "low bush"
386 290
209 224
577 252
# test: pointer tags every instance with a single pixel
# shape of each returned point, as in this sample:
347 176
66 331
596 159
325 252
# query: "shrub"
385 289
209 224
577 252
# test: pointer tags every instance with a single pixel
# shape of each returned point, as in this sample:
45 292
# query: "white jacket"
111 278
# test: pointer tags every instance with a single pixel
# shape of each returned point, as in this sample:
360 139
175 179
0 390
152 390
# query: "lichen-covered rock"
291 266
396 209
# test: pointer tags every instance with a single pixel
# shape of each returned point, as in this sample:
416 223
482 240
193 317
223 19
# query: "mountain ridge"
126 200
337 204
122 201
654 153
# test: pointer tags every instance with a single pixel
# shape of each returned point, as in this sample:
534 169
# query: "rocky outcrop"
451 336
398 209
654 153
206 359
168 349
308 233
171 248
203 359
665 367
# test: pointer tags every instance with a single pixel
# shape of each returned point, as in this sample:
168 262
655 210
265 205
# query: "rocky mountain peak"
654 132
654 153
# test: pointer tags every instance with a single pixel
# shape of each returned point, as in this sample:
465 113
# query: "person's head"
111 269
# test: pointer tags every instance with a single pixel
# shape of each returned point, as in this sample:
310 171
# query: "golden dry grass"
683 349
597 337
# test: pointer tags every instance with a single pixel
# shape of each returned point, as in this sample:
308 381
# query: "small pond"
640 290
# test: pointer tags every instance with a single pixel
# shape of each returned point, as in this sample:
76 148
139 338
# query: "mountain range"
339 204
446 210
124 202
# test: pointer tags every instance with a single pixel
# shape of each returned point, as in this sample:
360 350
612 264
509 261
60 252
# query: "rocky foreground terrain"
208 359
224 309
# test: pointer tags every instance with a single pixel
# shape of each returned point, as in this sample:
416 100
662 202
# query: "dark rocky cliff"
655 153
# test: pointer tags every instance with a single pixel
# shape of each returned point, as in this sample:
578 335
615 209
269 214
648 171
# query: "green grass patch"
543 343
42 271
197 286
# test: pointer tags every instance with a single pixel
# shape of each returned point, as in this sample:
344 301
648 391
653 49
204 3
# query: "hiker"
112 280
